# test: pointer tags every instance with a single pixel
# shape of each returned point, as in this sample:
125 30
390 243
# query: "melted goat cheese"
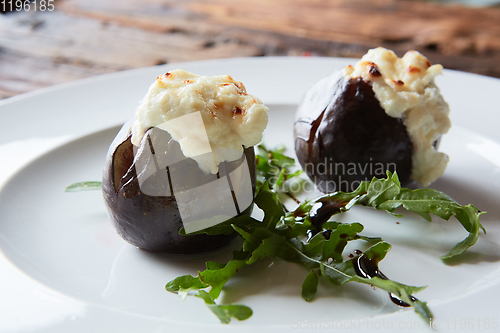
406 89
230 118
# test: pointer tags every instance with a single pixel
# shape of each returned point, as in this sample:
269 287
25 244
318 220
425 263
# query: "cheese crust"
232 119
406 89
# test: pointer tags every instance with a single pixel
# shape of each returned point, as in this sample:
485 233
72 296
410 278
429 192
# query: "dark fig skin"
152 223
343 136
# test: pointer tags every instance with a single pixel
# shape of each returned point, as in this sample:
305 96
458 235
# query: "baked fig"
384 114
185 161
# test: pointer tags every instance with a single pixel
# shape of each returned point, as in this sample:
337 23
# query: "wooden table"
82 38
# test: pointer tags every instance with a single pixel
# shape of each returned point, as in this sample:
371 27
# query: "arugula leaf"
402 292
339 274
420 307
297 222
381 190
280 235
319 250
83 186
215 276
214 265
338 238
269 202
274 246
226 226
218 277
387 194
310 285
225 312
331 242
373 255
184 284
277 170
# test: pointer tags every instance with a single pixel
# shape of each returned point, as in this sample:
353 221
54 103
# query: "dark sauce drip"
368 268
398 301
324 209
314 128
299 213
327 233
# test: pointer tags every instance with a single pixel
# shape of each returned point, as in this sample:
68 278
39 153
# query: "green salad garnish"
308 236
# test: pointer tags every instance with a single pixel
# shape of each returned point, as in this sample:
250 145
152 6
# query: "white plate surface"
64 269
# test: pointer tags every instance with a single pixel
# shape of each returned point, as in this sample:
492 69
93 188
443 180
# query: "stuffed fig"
384 114
185 161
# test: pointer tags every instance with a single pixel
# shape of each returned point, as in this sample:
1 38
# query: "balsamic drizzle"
363 266
324 208
368 268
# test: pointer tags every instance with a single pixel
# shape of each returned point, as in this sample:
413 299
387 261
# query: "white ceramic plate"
64 269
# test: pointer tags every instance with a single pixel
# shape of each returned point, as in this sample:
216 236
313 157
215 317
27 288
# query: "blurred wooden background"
82 38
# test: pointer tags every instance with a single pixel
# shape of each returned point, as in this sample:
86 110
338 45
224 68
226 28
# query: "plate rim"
129 73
